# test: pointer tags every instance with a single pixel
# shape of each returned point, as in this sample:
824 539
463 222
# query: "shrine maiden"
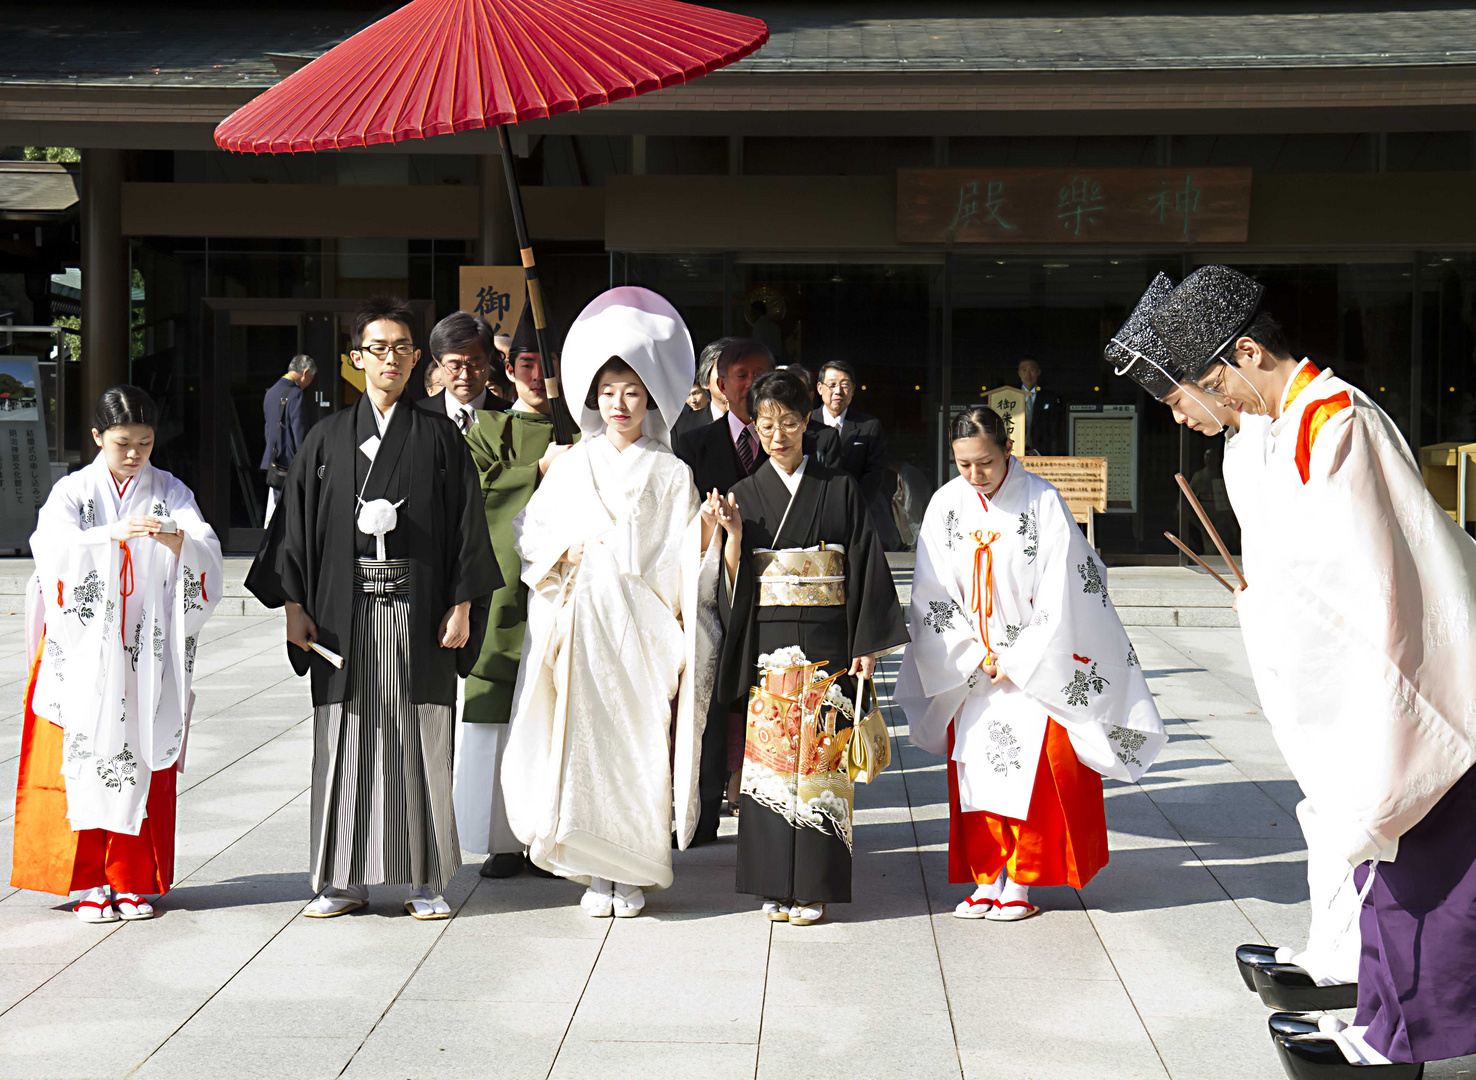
127 572
622 620
1020 671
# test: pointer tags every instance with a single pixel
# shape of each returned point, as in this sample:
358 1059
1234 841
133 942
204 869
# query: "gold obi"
796 577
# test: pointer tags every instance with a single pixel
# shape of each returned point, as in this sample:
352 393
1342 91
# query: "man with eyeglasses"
380 554
1360 607
863 450
461 346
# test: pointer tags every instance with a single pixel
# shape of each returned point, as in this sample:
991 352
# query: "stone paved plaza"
1131 978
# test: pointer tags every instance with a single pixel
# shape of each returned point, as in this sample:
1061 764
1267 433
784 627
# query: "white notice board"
1110 432
25 469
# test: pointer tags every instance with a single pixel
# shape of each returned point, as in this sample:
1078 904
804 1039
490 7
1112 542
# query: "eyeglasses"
1217 387
381 350
462 367
843 386
766 428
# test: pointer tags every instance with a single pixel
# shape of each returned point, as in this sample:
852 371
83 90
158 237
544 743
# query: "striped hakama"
381 802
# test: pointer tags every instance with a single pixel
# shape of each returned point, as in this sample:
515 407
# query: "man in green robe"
512 450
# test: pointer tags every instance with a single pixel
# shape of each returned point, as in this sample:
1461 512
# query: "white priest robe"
1047 617
612 643
1360 611
121 626
1333 939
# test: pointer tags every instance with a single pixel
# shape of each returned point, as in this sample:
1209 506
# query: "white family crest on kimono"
121 625
1018 566
1359 618
610 644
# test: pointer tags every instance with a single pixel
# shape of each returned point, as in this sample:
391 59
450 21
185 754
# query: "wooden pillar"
497 242
105 291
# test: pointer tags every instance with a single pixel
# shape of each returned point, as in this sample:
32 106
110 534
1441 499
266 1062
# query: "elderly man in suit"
461 347
288 418
693 418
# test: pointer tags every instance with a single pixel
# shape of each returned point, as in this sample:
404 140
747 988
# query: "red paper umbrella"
435 67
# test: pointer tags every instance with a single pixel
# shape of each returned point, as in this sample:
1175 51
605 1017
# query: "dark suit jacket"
436 404
710 454
1047 425
861 450
282 443
690 420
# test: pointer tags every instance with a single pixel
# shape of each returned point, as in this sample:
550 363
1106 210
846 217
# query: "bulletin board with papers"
1111 432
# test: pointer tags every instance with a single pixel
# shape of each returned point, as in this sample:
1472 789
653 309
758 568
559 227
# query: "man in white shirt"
862 448
1043 412
461 346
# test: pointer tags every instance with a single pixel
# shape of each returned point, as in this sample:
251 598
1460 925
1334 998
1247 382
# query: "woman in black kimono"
808 576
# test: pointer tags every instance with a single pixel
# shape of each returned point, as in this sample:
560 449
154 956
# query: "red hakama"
1062 841
49 856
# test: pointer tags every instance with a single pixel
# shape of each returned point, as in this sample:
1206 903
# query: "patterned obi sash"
382 579
801 577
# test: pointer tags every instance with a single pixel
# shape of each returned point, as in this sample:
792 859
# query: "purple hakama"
1417 973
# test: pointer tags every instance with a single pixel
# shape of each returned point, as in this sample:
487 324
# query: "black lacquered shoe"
507 864
1287 1023
1252 956
1321 1059
536 870
1288 988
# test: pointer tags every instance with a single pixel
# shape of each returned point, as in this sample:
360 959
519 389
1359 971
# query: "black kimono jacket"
309 551
829 507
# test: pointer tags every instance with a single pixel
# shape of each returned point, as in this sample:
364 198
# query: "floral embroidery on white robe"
121 631
1053 627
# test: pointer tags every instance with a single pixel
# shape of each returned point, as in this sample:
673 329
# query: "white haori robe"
1053 628
587 775
1361 613
116 671
1333 938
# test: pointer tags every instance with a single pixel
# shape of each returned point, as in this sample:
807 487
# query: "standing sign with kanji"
25 469
496 293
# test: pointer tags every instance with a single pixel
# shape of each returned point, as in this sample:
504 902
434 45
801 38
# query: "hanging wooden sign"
1073 206
497 293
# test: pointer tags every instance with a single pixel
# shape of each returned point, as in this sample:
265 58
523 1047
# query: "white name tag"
369 447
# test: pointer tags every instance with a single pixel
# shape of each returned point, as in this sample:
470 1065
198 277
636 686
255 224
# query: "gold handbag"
869 751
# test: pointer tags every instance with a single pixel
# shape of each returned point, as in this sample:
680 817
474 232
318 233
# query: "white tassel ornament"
377 517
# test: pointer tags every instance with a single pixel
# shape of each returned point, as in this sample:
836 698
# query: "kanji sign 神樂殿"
1045 206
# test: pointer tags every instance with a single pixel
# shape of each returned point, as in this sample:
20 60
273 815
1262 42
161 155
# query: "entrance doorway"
249 345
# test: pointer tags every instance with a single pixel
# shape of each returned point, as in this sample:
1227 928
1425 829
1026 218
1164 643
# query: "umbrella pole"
562 418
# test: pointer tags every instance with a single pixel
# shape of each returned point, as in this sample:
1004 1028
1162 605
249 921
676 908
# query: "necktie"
463 419
745 451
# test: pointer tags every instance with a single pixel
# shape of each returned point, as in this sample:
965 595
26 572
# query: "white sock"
989 890
1013 891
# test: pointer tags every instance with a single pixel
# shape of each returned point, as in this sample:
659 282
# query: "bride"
622 621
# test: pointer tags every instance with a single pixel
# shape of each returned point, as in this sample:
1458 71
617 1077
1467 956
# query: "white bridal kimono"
121 624
1359 567
611 643
1053 628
